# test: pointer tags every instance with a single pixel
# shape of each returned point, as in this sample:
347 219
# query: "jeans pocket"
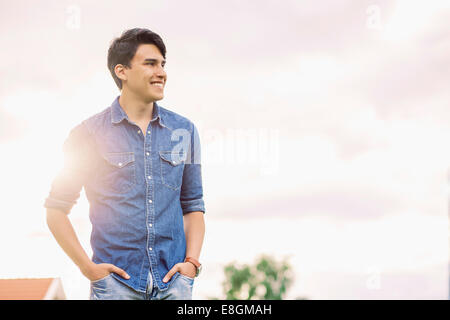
188 279
101 279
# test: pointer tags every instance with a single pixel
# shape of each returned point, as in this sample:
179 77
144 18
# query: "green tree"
266 279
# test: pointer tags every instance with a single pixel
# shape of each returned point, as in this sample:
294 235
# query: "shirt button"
150 201
150 225
148 132
149 177
139 131
151 249
120 164
148 153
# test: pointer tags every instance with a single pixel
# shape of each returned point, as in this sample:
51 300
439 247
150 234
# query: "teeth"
157 84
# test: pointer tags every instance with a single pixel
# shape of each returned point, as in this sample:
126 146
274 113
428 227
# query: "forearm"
194 229
62 229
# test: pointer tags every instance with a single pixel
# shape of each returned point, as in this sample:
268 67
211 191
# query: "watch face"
199 269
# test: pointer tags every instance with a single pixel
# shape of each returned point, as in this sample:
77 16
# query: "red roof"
24 289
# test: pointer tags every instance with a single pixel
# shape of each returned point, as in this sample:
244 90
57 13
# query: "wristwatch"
195 262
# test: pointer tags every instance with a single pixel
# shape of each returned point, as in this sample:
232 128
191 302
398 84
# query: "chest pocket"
172 166
118 172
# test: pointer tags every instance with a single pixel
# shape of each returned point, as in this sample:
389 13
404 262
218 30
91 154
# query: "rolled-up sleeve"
66 187
191 196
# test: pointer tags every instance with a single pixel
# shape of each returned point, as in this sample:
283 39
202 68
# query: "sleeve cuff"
193 205
52 203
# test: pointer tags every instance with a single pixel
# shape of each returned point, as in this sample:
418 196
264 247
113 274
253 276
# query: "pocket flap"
119 159
173 157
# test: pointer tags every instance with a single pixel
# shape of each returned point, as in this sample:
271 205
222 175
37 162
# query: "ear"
119 70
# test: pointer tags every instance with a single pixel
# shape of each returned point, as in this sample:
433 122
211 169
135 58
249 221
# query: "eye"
154 63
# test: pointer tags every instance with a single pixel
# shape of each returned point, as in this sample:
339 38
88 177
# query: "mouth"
157 84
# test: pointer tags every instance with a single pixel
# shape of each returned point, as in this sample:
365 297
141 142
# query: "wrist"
195 263
191 264
86 267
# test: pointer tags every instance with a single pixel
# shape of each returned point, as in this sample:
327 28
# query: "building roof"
31 289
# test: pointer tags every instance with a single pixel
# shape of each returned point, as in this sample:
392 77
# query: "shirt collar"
118 114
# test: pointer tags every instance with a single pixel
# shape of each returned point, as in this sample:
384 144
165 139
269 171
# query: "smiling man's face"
146 77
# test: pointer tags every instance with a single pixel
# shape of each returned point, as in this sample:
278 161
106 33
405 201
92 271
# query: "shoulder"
174 120
97 120
82 134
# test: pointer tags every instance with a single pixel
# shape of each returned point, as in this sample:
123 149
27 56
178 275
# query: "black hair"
123 49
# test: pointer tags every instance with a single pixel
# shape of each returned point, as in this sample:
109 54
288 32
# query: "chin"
158 97
151 98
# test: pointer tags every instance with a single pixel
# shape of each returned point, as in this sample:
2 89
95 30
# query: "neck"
136 109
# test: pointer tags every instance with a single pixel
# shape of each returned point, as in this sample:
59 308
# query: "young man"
140 166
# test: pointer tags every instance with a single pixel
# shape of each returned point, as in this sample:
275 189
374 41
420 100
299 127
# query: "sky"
323 126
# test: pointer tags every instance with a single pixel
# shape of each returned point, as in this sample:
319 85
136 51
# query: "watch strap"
195 262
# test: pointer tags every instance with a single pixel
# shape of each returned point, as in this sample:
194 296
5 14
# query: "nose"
161 73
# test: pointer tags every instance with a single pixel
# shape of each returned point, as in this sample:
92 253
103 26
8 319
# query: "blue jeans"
109 288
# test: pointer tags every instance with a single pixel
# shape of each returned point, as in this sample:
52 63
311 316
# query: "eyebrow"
154 60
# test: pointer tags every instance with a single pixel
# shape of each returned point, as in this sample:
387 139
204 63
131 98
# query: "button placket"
149 193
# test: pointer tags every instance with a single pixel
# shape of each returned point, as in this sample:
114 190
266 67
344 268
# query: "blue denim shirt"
138 188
